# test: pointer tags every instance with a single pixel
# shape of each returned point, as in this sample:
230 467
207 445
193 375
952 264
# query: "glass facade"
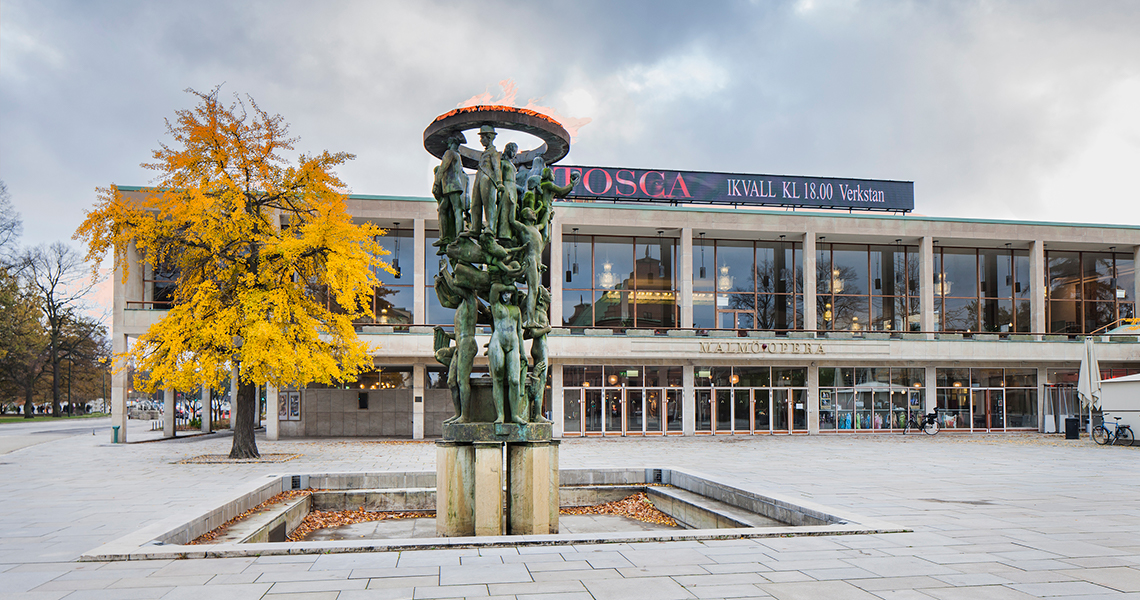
867 287
620 282
393 300
869 398
747 285
617 400
1089 291
982 289
987 399
750 400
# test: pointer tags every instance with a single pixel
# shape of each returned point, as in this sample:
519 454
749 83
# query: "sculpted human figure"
531 236
488 183
505 354
524 174
508 197
460 358
449 188
547 192
536 380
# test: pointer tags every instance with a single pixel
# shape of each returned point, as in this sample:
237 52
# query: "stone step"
695 511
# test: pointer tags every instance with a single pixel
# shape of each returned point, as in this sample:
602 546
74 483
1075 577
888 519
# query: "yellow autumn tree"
271 271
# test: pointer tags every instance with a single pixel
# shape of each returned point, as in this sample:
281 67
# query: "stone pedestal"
470 486
488 488
532 487
454 489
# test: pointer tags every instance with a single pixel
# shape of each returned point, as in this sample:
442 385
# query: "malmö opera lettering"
760 348
682 187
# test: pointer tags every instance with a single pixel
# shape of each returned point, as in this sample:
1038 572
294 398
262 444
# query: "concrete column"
685 277
931 395
119 383
813 399
488 488
454 499
1038 286
688 401
926 285
1042 378
557 399
810 319
272 413
168 412
233 395
557 272
419 373
206 416
532 480
419 293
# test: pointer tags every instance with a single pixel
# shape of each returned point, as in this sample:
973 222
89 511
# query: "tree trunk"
56 410
29 407
245 445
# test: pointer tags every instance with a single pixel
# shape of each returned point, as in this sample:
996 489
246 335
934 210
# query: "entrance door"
723 411
634 412
987 408
614 413
592 412
741 411
761 411
572 411
654 412
781 415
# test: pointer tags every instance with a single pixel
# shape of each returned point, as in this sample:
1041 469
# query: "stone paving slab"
1020 516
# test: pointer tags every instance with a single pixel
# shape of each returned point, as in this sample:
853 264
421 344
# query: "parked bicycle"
928 423
1120 434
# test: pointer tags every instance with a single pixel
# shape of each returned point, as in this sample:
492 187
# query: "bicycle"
1121 434
928 423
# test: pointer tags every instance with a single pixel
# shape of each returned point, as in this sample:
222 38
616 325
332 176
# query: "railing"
1117 323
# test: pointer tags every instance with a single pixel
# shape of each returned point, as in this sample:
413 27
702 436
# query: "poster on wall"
289 406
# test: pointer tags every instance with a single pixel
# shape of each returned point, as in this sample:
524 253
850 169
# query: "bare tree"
61 281
10 224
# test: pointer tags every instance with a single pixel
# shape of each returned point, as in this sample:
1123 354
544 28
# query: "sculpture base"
497 432
470 484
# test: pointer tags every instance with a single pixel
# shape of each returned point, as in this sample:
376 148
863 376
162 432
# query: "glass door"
634 413
723 411
741 413
987 406
572 412
673 420
614 413
654 406
592 412
781 415
761 411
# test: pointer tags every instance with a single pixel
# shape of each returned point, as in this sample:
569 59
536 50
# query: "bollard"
115 434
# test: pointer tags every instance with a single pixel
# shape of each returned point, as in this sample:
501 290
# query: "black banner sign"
687 187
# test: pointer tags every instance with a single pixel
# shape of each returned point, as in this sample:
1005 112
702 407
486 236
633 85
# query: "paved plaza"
994 517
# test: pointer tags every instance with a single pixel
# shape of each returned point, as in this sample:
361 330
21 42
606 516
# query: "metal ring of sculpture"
555 138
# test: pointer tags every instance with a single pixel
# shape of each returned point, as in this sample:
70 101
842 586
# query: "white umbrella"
1088 383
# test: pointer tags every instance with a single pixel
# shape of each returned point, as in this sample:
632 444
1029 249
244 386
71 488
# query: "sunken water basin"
705 508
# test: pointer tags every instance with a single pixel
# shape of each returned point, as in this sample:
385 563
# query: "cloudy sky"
1012 110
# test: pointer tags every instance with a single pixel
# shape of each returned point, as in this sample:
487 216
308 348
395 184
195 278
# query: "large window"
619 282
750 400
393 299
987 399
981 289
617 400
862 287
1089 291
747 285
869 398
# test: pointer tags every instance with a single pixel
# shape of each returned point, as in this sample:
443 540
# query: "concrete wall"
336 413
